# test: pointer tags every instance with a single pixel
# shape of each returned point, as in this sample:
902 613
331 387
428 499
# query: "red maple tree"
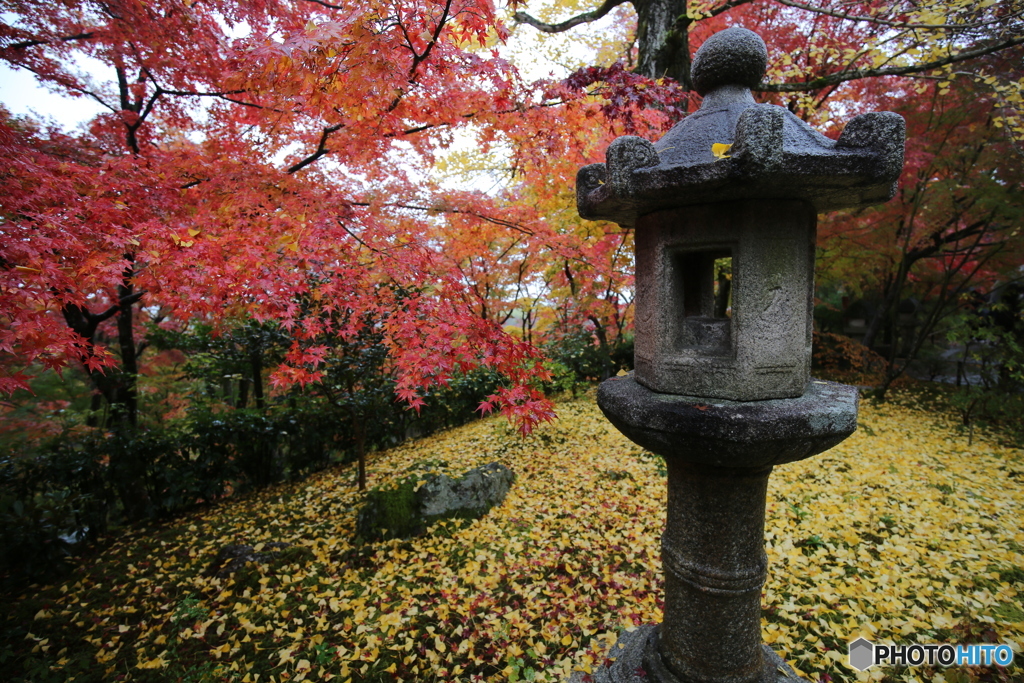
254 155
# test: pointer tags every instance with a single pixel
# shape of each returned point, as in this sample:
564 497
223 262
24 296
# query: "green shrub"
48 503
577 358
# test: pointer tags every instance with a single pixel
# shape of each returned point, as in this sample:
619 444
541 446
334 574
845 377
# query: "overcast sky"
22 94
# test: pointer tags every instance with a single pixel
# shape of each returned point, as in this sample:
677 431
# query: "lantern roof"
734 148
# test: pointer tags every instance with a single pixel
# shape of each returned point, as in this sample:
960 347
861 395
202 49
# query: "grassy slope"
902 533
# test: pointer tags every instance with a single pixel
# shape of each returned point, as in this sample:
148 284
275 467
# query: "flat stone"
735 434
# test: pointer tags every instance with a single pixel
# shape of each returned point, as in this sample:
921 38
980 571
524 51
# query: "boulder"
406 511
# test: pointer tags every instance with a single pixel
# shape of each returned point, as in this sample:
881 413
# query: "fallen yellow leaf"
720 150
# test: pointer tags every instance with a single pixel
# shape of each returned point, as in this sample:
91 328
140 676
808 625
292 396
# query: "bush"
447 407
844 359
250 448
74 487
48 503
576 358
390 512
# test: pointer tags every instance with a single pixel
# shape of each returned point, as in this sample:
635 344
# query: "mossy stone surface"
390 513
405 510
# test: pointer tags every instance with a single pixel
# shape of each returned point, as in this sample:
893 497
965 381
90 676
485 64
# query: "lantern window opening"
701 287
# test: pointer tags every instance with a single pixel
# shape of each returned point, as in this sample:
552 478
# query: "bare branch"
221 95
357 238
728 6
431 209
131 299
75 88
585 18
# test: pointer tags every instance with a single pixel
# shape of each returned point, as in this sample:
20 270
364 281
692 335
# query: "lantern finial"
734 56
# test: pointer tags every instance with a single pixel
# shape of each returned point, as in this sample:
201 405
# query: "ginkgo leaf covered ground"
903 533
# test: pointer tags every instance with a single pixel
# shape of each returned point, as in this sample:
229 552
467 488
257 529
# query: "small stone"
234 557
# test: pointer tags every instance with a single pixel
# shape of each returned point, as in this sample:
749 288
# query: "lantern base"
734 434
636 660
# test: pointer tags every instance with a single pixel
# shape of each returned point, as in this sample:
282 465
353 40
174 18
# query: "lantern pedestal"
637 661
719 455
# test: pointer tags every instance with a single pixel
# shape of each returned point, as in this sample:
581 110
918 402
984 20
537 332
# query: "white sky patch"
23 95
538 56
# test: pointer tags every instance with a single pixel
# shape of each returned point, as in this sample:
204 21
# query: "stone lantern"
724 392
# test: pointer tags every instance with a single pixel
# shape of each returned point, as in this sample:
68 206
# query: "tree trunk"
875 324
722 296
127 390
360 450
131 469
664 41
256 363
95 405
606 352
119 388
243 393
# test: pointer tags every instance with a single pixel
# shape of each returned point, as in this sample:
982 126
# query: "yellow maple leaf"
721 150
155 663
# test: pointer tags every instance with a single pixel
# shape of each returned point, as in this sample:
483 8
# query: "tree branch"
420 58
321 150
429 209
131 299
39 41
894 24
84 322
72 86
976 229
585 18
855 74
357 238
325 4
727 6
